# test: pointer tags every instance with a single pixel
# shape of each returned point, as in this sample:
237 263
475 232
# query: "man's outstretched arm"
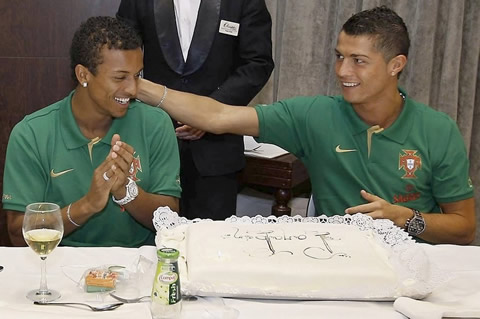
201 112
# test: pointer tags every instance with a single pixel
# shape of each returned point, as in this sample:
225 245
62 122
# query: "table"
282 173
21 274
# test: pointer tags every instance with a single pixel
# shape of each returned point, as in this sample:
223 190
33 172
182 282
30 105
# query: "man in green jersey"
372 150
107 160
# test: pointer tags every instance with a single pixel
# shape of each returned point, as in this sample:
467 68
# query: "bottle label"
166 287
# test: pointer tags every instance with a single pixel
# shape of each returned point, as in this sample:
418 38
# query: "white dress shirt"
186 12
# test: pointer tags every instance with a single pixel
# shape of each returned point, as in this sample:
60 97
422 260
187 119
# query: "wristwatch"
131 193
415 225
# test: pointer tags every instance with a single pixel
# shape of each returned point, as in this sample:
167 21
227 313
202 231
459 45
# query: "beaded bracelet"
163 97
70 218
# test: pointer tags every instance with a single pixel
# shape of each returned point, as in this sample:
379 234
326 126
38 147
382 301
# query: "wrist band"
163 97
70 218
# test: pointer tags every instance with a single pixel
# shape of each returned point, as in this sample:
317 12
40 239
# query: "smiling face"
115 81
362 71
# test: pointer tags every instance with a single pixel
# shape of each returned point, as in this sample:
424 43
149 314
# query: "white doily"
416 276
164 218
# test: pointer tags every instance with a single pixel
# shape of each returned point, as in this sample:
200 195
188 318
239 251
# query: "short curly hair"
385 25
96 32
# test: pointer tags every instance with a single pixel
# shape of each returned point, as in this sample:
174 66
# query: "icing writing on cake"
316 243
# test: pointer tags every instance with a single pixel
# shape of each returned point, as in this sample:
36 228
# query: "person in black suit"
216 48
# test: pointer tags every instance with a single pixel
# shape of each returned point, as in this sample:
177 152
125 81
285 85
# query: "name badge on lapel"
229 28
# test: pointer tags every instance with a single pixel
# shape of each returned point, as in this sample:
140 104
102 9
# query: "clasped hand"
111 176
186 132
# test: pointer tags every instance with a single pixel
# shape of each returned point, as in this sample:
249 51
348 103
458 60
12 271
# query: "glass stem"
43 276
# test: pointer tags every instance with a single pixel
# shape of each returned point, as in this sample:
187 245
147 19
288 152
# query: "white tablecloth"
460 296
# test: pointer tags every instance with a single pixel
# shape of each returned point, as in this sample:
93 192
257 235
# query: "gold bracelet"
70 218
163 97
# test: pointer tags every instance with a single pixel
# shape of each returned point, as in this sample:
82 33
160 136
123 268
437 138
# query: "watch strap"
408 220
129 196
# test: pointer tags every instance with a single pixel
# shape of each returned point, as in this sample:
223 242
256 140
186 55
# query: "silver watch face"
132 188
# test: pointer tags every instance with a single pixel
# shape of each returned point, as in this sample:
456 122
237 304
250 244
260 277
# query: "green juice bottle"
166 294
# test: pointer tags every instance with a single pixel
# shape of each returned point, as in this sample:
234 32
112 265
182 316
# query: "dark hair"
96 32
383 24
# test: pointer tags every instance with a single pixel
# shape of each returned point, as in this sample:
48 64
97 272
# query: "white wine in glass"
43 230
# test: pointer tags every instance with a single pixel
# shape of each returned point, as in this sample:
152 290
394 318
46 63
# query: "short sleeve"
24 178
164 157
450 177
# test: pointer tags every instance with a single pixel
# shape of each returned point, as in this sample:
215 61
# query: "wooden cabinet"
282 173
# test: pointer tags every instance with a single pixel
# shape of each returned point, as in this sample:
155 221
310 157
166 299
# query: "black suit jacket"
230 69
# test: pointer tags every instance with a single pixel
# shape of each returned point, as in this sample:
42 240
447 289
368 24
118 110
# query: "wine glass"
42 230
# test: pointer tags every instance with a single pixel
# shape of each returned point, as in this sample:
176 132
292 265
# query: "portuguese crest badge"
135 168
409 162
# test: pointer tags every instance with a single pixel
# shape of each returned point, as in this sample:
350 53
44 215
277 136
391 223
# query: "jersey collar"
400 129
72 136
397 132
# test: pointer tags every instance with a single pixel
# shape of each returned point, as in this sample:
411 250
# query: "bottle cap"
167 253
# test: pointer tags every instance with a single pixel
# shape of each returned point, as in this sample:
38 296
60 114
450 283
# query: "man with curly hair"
109 161
372 150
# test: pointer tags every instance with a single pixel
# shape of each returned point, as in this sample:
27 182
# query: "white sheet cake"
289 260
